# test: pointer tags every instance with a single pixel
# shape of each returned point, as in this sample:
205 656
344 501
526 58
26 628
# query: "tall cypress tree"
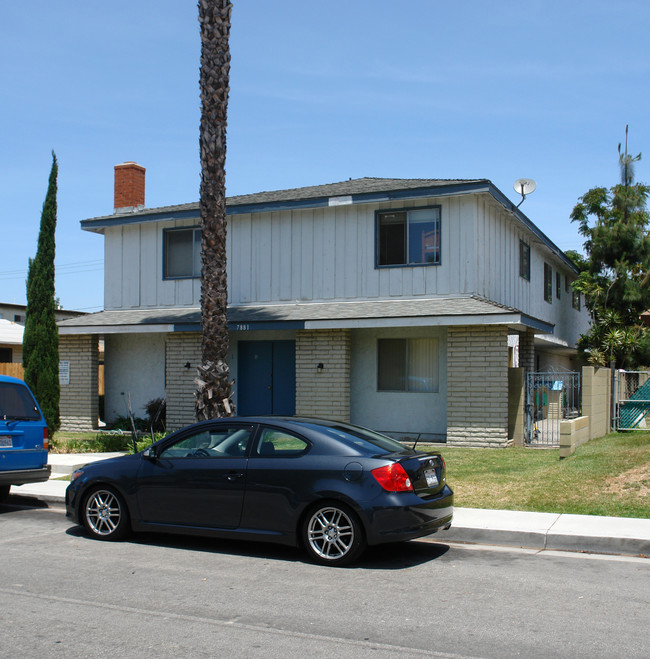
41 338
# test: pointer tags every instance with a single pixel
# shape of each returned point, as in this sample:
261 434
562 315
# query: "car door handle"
235 475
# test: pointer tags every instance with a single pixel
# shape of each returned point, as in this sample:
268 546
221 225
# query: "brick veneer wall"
181 348
79 401
325 394
477 386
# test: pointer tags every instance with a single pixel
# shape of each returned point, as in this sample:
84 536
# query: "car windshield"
367 440
16 402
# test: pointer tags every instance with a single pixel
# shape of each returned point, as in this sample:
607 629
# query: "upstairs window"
558 285
524 260
182 253
575 300
409 237
548 283
407 365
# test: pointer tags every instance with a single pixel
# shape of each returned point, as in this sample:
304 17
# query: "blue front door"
266 382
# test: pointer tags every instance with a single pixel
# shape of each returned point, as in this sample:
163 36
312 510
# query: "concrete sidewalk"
582 533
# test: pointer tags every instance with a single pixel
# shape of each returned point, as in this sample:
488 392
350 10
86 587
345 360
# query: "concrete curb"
563 532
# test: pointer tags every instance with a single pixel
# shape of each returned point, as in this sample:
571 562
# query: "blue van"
23 437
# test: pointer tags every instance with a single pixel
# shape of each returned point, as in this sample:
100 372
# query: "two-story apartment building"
391 303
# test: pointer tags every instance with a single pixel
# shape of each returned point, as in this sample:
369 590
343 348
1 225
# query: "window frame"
558 284
548 283
165 251
192 433
260 436
437 208
575 300
524 260
435 385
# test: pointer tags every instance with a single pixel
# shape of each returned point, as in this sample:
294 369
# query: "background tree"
213 384
41 338
614 276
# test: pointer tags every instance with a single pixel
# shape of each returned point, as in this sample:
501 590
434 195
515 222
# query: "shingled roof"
359 188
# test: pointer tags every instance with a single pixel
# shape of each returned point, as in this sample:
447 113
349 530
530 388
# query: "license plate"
432 479
5 441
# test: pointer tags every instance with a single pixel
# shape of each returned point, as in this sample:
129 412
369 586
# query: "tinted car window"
210 443
16 402
274 442
365 440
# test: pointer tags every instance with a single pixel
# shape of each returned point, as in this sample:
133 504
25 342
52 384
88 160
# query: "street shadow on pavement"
14 501
394 556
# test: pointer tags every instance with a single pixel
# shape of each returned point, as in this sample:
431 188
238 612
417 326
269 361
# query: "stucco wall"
135 366
400 414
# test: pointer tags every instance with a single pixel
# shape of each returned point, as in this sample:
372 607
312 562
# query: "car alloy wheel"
105 514
332 535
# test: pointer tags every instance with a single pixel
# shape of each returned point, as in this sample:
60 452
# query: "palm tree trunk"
213 384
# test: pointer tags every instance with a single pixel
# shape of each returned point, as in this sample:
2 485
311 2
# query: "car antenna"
134 434
155 418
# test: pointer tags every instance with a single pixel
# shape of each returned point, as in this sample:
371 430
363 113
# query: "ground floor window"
407 365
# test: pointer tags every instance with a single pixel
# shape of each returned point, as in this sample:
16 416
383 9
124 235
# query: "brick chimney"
129 186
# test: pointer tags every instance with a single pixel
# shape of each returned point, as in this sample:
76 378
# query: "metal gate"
550 398
632 397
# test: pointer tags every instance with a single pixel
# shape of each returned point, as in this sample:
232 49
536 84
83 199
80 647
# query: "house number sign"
64 372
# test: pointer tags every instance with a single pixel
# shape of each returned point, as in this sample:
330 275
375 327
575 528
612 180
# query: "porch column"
527 351
323 392
79 400
477 386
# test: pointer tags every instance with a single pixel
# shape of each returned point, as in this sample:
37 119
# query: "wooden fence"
15 370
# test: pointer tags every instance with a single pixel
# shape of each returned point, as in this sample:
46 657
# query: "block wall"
596 399
181 348
325 393
516 409
477 386
79 401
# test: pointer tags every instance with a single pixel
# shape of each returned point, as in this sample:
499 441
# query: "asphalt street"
62 593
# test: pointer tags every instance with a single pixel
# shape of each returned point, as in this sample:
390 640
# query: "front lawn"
607 476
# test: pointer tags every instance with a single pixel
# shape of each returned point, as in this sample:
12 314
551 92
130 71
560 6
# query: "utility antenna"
524 186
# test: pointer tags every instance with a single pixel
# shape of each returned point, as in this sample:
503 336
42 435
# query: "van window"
16 402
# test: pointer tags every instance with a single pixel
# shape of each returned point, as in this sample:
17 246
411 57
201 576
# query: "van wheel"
4 492
104 514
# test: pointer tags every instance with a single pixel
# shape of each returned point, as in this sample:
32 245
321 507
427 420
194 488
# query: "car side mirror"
150 453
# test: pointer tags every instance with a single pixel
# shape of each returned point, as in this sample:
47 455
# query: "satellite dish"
524 186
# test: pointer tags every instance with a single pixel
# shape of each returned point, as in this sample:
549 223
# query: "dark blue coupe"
327 486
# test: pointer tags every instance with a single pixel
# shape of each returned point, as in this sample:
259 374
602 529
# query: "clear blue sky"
320 92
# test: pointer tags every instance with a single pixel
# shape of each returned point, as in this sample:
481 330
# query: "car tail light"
393 478
46 441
